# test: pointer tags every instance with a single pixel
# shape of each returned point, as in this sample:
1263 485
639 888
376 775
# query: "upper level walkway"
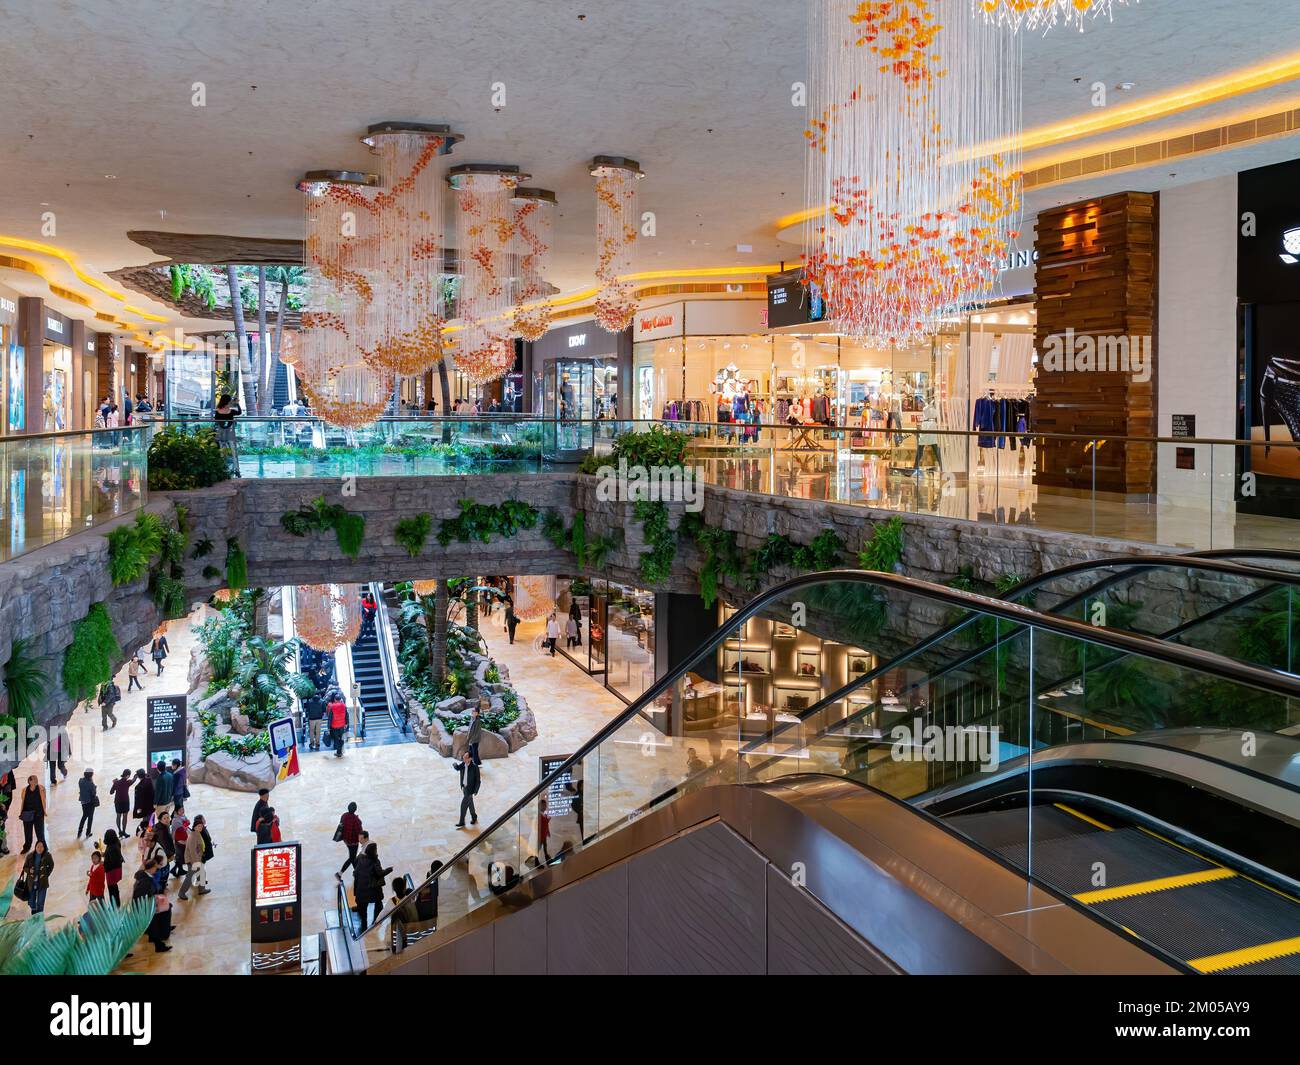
56 484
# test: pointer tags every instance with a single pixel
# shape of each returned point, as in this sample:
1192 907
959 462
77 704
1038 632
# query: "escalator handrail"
1176 654
1195 560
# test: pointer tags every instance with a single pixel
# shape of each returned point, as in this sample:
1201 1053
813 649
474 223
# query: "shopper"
113 865
180 834
88 796
259 808
180 786
162 834
552 632
543 829
195 871
512 620
58 749
209 850
349 833
158 650
368 883
134 669
33 812
470 780
96 879
36 873
164 789
369 608
571 632
475 736
8 784
224 420
268 826
314 707
338 719
109 696
143 800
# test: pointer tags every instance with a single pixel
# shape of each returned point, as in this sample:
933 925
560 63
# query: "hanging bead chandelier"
336 318
327 616
534 229
424 587
534 597
1046 14
485 229
616 229
404 258
912 215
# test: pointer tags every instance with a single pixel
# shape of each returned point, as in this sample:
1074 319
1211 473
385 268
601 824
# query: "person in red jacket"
350 832
97 881
337 712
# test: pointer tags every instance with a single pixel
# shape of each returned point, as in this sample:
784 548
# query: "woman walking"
33 813
95 879
350 834
158 650
368 883
112 865
143 800
552 632
194 871
36 871
120 789
88 796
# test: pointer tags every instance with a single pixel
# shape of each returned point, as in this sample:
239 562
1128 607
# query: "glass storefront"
56 402
609 631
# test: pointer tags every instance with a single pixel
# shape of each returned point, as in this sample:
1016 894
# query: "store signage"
54 325
1018 260
284 745
275 930
578 340
165 717
8 306
1268 234
1291 246
1183 426
658 321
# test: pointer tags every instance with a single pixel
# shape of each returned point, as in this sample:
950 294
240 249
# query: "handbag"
21 891
27 816
338 833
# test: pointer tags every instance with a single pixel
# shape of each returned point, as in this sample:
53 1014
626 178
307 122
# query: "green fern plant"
412 533
884 550
236 566
93 946
26 680
127 561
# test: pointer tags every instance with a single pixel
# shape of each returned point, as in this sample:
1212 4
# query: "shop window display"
630 640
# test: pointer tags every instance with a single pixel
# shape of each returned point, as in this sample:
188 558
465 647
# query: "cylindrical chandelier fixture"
616 229
327 616
534 231
485 226
1043 15
913 179
336 318
424 587
405 261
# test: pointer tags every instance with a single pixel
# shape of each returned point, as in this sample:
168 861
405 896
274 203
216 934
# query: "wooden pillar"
1095 286
105 365
31 335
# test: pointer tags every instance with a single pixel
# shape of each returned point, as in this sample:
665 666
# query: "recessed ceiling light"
1125 86
111 177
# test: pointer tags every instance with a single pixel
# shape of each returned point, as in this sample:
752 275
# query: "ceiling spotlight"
1124 86
111 177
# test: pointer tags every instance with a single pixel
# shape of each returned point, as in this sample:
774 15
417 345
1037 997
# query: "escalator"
374 670
1134 836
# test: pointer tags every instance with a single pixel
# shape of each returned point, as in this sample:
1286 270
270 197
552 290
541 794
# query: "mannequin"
927 441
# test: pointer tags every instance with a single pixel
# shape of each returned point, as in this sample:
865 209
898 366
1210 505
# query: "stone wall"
43 594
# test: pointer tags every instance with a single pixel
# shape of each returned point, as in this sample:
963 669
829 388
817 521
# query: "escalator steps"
999 829
1288 965
1129 856
1207 919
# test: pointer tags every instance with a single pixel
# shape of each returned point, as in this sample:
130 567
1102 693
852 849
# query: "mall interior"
530 488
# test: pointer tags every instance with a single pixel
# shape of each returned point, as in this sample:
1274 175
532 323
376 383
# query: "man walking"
164 790
109 694
314 707
58 751
260 808
338 718
475 734
469 785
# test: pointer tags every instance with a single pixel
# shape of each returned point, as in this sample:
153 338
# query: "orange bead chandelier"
911 217
534 227
534 597
617 220
485 237
327 616
1043 15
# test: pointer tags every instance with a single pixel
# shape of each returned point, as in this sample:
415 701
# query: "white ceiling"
697 90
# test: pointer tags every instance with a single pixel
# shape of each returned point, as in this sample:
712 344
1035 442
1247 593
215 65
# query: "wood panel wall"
1096 274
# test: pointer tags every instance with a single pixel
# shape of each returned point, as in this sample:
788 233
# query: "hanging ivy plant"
480 521
236 565
316 516
412 532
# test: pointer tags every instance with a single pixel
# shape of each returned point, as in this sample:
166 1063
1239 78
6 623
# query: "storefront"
13 369
574 372
58 385
608 631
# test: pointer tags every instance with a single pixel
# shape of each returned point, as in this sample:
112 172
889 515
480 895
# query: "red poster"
277 876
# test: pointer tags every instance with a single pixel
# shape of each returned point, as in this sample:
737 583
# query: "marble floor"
407 798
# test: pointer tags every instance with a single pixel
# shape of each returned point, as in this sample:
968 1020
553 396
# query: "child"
95 885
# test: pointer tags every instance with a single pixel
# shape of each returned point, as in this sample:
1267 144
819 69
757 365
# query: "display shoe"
1279 394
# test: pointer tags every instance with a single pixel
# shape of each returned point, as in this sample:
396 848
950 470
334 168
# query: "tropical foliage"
92 946
182 458
411 533
26 680
480 521
316 516
88 660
